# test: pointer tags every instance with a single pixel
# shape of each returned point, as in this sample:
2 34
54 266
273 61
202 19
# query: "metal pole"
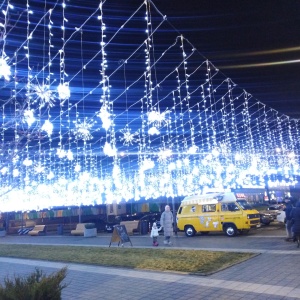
22 225
174 216
79 213
267 188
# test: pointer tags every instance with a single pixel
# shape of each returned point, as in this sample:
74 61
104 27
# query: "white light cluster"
43 95
48 127
105 117
83 129
64 92
5 71
109 150
128 137
171 124
29 117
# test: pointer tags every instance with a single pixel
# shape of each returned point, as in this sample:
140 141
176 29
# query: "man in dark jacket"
288 218
295 215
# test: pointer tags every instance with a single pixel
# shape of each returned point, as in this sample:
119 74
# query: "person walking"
154 233
288 219
295 217
166 222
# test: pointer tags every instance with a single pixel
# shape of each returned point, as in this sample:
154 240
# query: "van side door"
209 218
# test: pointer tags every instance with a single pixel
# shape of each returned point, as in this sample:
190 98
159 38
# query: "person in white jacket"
154 234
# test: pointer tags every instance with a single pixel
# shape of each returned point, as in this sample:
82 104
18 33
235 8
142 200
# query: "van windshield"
244 204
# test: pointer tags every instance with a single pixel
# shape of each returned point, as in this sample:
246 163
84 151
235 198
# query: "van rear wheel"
189 231
230 230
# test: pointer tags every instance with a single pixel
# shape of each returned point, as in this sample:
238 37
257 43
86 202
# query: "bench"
17 226
79 230
38 230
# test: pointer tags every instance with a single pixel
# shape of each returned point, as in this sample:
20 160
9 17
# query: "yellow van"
215 212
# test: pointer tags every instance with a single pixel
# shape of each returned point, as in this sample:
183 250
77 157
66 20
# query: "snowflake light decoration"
29 117
82 129
4 68
43 95
128 138
156 118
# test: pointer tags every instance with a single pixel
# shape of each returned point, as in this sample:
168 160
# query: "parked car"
148 218
266 218
275 210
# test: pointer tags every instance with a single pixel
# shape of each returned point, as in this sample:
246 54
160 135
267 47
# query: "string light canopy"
101 105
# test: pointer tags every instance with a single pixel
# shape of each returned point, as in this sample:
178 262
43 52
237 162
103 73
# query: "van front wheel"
230 230
189 231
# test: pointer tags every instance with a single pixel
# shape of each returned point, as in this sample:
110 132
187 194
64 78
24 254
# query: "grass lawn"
190 261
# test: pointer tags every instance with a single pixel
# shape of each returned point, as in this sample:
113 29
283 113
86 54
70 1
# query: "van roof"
211 198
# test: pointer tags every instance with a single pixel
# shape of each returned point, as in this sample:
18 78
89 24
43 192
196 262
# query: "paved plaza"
273 274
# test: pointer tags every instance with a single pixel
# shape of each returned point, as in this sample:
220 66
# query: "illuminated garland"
176 127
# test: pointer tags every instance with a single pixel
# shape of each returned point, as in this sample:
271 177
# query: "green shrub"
36 286
90 225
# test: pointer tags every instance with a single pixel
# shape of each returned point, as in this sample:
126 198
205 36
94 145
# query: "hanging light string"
5 71
222 122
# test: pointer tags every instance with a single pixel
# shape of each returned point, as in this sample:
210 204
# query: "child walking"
154 234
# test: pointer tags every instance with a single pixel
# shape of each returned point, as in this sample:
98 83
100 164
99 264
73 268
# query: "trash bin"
144 227
60 229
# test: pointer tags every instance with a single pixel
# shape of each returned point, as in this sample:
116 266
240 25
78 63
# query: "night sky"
249 41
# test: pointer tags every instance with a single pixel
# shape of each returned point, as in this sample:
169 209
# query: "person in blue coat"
288 219
295 214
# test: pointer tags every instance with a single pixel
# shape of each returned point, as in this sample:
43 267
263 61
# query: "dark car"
146 221
266 218
275 210
272 211
150 219
109 227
